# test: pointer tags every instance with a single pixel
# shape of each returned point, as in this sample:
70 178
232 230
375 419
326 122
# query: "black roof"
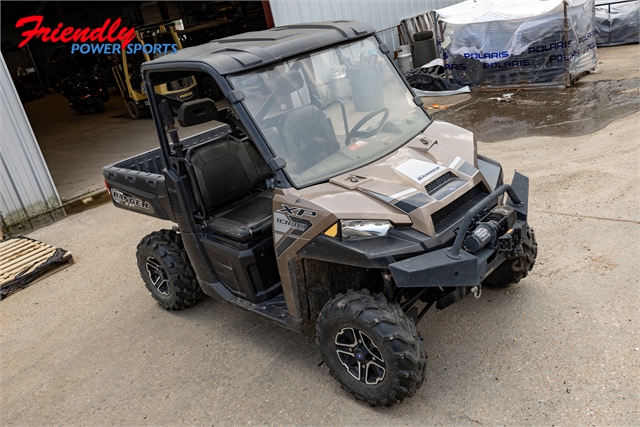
254 49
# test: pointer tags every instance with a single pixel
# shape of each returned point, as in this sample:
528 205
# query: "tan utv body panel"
392 188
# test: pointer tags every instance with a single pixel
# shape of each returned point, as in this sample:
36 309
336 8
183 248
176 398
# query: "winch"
497 223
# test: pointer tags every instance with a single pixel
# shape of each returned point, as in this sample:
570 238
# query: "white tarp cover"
518 43
473 12
617 22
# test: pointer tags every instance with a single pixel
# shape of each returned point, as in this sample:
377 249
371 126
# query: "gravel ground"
89 346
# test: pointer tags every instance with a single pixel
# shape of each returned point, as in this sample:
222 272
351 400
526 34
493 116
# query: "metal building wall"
383 15
28 196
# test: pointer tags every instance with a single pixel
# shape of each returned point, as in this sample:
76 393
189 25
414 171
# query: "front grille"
455 210
439 181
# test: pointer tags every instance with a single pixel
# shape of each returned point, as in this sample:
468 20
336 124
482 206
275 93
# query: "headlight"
363 229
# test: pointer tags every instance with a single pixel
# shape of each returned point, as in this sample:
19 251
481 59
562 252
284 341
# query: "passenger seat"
229 173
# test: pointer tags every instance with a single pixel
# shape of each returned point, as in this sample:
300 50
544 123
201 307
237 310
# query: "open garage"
77 136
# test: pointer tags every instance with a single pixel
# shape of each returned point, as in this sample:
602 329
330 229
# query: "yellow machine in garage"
152 41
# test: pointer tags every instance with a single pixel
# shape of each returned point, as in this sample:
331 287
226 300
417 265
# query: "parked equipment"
128 77
85 92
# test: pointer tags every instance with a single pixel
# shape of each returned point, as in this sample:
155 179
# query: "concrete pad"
616 63
90 346
76 147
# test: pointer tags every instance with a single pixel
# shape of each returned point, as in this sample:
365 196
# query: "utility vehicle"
354 213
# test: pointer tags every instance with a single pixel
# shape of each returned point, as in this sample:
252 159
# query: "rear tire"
99 108
371 347
166 270
505 275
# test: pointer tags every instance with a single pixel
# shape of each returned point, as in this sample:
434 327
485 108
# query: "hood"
419 180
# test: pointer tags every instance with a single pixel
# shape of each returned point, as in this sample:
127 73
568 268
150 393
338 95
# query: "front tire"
512 271
371 347
166 270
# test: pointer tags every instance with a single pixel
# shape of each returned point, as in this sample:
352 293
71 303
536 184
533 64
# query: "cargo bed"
137 184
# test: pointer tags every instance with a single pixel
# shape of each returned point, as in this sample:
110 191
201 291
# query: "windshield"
332 111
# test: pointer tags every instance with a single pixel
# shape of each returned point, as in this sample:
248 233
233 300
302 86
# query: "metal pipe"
424 311
565 36
444 50
454 251
387 284
412 300
35 66
344 113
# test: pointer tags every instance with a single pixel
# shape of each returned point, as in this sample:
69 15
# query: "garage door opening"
76 143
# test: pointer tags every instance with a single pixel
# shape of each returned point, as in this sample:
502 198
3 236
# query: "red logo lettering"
67 34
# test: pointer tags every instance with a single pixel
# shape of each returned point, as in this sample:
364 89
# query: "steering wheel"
355 132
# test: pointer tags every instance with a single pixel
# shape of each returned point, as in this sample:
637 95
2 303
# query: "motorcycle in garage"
85 92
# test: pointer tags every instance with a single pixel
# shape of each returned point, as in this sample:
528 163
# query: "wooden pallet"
22 257
409 26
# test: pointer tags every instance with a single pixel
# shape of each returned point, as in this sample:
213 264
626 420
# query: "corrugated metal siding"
26 187
383 15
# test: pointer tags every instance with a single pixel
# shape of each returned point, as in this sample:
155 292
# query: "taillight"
106 184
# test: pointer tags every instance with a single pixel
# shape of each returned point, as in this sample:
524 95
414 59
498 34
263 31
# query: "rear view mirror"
196 112
287 83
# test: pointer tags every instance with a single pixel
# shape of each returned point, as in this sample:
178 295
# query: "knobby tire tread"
167 246
392 328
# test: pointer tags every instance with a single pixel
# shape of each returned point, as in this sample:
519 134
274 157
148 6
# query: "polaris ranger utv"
321 193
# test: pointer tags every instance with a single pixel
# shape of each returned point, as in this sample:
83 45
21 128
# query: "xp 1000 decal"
290 223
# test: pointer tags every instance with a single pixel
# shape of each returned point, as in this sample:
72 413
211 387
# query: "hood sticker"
412 203
454 163
419 170
388 199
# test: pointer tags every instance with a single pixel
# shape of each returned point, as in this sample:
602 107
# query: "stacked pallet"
22 260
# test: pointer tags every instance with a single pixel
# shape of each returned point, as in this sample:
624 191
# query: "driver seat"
308 135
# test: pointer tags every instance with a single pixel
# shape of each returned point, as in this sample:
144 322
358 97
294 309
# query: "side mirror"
196 112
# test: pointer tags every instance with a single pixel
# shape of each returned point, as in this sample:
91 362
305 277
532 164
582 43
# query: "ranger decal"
130 201
418 170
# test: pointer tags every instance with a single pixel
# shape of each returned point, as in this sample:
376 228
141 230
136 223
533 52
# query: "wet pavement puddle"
580 110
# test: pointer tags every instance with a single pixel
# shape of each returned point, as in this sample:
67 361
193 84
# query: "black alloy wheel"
166 270
371 347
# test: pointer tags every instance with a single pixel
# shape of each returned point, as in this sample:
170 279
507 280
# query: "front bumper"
452 266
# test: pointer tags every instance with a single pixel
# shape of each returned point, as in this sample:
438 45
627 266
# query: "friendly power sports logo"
109 38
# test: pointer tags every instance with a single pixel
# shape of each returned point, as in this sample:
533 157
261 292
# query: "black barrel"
424 48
